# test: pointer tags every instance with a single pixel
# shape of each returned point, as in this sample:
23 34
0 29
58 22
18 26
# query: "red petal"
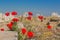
30 13
2 29
49 27
15 19
14 13
10 26
40 17
23 30
30 34
29 18
7 13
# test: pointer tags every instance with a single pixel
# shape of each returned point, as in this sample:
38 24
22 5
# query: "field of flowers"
31 27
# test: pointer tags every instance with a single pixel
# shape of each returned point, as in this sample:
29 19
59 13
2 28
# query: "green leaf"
19 36
15 27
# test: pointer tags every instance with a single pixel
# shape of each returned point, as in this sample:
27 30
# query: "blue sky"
44 7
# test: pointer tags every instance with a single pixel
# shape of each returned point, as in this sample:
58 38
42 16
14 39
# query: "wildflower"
10 26
40 17
29 18
14 13
23 30
2 29
30 13
15 19
49 26
30 34
7 13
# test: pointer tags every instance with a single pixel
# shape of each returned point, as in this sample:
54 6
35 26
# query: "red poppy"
29 18
15 19
14 13
30 13
49 26
2 29
10 26
30 34
23 30
40 17
7 13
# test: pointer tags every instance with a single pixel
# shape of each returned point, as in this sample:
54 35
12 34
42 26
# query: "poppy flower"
40 17
10 26
49 26
7 13
14 13
15 19
30 13
29 18
2 29
23 30
30 34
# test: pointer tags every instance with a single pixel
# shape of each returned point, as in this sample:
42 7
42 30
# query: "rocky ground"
8 35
